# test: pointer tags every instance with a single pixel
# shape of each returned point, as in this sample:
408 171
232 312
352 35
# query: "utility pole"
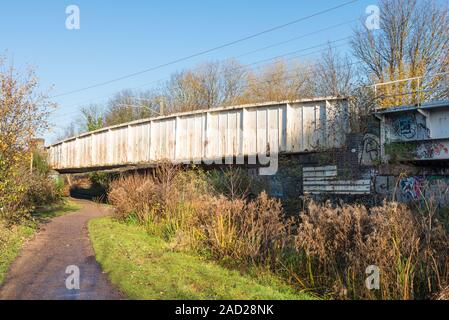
31 162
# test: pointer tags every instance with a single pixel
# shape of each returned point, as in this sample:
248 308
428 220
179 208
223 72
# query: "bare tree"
209 85
233 82
412 41
278 82
120 108
334 74
70 131
182 92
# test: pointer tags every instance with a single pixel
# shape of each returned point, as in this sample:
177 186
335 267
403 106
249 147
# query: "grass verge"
13 238
56 210
144 267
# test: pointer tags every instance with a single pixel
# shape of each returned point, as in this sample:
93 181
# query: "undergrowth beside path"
13 237
144 266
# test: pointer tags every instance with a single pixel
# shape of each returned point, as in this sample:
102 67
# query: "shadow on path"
40 270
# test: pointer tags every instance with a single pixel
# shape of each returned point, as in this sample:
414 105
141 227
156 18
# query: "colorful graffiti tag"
411 188
420 188
432 150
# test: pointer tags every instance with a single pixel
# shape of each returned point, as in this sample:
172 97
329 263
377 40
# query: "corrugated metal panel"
205 135
322 180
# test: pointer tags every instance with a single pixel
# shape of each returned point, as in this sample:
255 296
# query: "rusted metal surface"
276 127
325 180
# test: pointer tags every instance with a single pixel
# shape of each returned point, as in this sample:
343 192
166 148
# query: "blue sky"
122 37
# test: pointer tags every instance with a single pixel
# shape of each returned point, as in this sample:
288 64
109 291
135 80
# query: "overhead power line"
244 54
241 67
208 50
295 38
309 72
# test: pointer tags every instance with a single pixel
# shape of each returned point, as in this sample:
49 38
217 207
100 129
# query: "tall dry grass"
339 243
238 231
325 249
183 207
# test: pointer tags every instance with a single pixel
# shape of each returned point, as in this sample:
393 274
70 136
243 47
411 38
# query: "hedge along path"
40 270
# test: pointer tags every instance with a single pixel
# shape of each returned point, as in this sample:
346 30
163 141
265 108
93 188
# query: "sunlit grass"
12 238
55 210
144 267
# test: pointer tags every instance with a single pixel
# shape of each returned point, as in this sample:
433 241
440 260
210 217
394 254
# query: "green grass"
55 210
144 267
13 238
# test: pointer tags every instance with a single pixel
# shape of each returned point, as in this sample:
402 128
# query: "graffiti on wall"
417 188
432 150
411 188
410 126
370 149
384 184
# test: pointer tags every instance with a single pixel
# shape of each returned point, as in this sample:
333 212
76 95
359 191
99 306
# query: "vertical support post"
109 147
419 92
176 142
130 147
62 157
243 150
77 154
382 139
288 133
31 161
162 107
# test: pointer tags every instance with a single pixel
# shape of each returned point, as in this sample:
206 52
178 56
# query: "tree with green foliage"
23 116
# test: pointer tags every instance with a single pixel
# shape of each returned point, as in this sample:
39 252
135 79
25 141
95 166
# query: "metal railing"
414 91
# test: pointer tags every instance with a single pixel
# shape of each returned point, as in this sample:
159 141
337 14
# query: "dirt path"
40 270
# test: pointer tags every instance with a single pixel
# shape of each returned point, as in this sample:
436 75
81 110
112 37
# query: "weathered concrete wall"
371 187
355 172
432 150
287 184
407 126
414 188
423 131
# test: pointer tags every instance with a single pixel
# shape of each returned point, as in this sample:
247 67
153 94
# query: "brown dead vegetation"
324 249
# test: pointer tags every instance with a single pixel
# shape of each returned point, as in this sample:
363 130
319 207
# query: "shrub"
133 195
162 198
43 190
180 203
339 243
238 231
22 191
325 248
230 182
40 163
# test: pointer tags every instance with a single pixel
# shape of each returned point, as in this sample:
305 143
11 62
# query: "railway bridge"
245 134
410 127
